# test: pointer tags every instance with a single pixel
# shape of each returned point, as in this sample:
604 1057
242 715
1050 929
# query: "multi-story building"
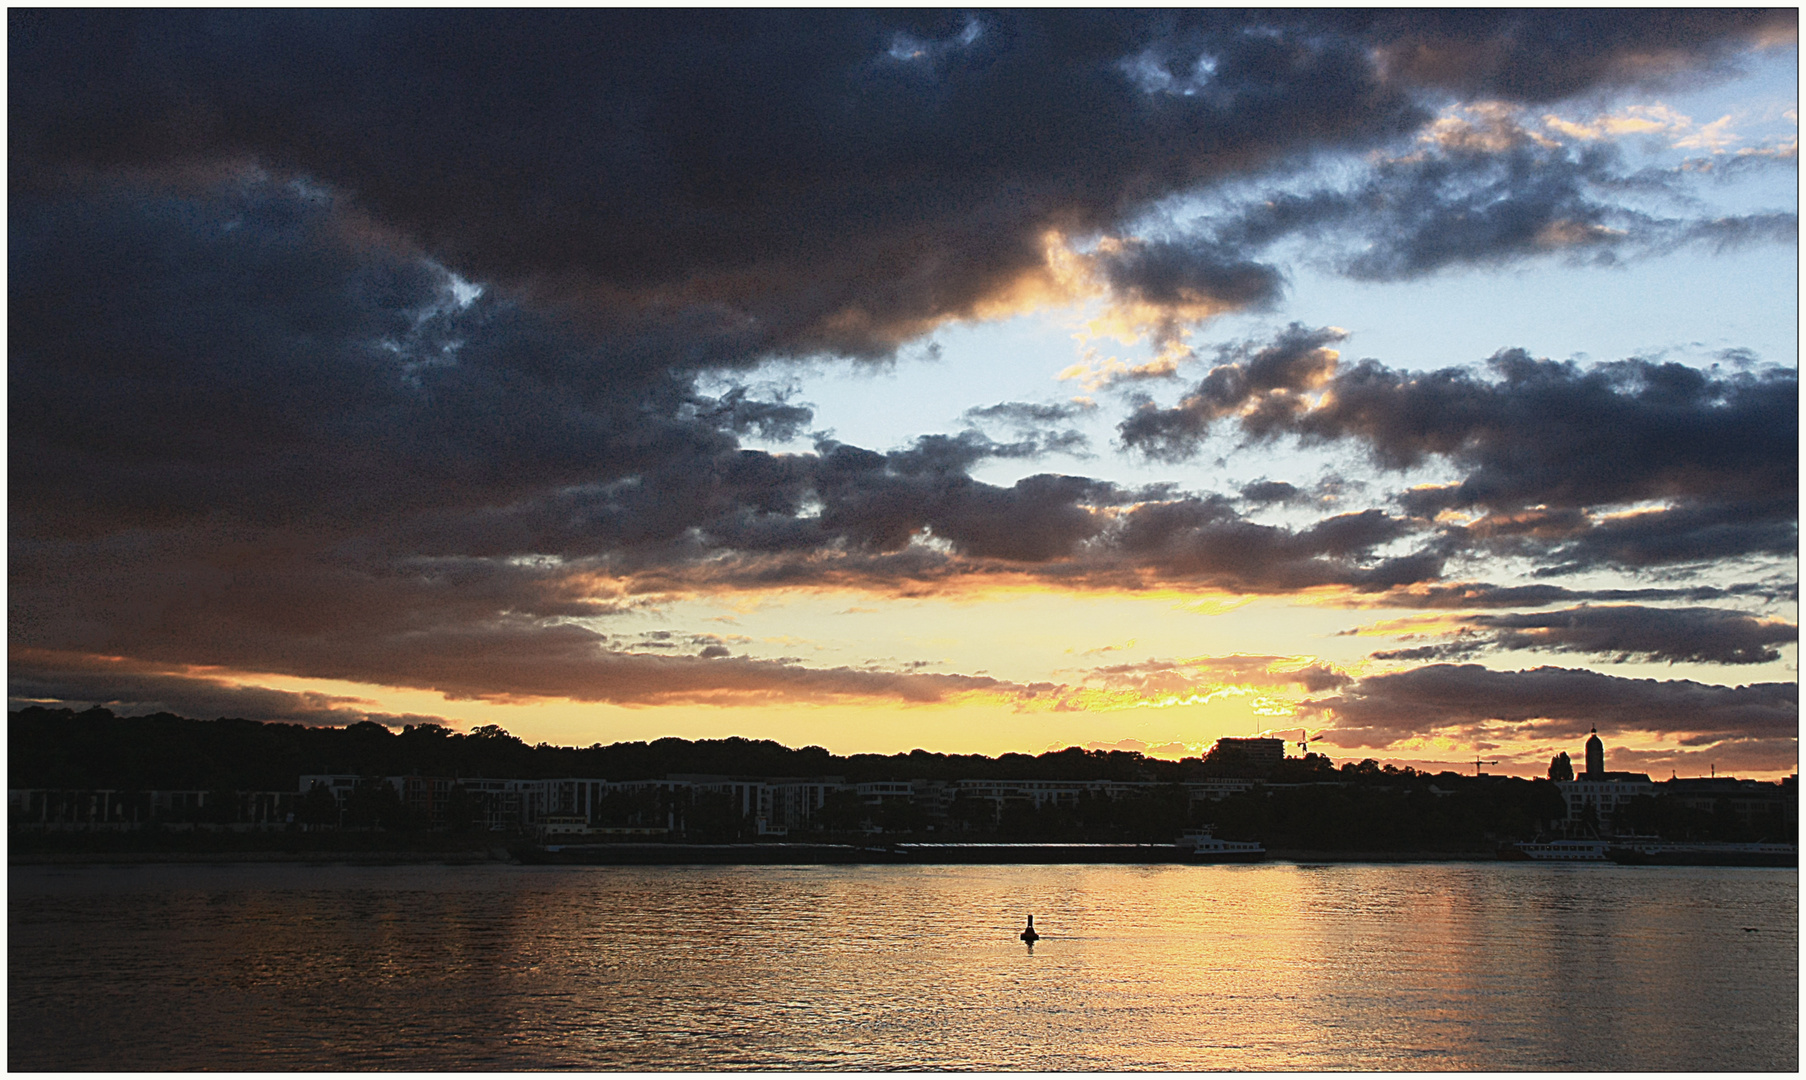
1603 796
1265 754
772 805
1597 795
109 809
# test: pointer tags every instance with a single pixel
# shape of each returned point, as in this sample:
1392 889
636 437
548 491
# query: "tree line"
63 748
1305 803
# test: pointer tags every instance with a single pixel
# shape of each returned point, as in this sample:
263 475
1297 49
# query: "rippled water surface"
1466 966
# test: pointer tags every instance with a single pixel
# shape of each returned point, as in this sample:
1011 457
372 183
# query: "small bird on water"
1029 935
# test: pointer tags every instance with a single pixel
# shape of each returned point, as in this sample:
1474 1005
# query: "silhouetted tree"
318 808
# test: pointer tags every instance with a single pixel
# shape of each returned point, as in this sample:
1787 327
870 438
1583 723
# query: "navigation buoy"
1029 935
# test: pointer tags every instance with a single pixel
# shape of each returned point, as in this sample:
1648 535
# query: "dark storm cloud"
1551 702
238 352
813 175
826 180
1621 632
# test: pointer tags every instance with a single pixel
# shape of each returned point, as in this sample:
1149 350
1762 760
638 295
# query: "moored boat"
1563 850
1198 845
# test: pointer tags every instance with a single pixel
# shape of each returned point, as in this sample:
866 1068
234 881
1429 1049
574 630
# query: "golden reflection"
1279 966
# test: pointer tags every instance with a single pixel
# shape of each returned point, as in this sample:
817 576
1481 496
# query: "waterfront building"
426 797
1264 754
1598 795
113 810
792 802
772 806
1604 796
745 793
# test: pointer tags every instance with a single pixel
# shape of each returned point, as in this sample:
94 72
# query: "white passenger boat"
1198 845
1565 850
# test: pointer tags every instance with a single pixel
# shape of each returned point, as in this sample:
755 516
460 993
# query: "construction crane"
1478 763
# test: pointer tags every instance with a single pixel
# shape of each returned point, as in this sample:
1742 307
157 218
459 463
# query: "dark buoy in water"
1029 935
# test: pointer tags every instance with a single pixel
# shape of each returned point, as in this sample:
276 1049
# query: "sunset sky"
1426 381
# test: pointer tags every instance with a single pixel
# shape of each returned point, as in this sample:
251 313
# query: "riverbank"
317 848
374 848
354 858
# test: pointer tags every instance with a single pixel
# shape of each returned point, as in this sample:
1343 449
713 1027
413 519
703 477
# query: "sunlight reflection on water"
1456 966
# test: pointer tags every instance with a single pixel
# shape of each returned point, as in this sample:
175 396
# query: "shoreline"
356 858
672 857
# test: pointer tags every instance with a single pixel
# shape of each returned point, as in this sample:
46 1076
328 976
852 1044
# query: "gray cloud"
1496 197
1689 533
1174 273
1537 432
1272 491
1540 442
1486 594
1550 702
1036 422
1622 632
1248 376
1206 540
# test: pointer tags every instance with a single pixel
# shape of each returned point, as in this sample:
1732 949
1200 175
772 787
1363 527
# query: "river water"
1277 966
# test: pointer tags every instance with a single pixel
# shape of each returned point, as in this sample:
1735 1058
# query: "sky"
1419 386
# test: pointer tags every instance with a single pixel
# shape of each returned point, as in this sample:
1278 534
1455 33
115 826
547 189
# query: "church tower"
1595 756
